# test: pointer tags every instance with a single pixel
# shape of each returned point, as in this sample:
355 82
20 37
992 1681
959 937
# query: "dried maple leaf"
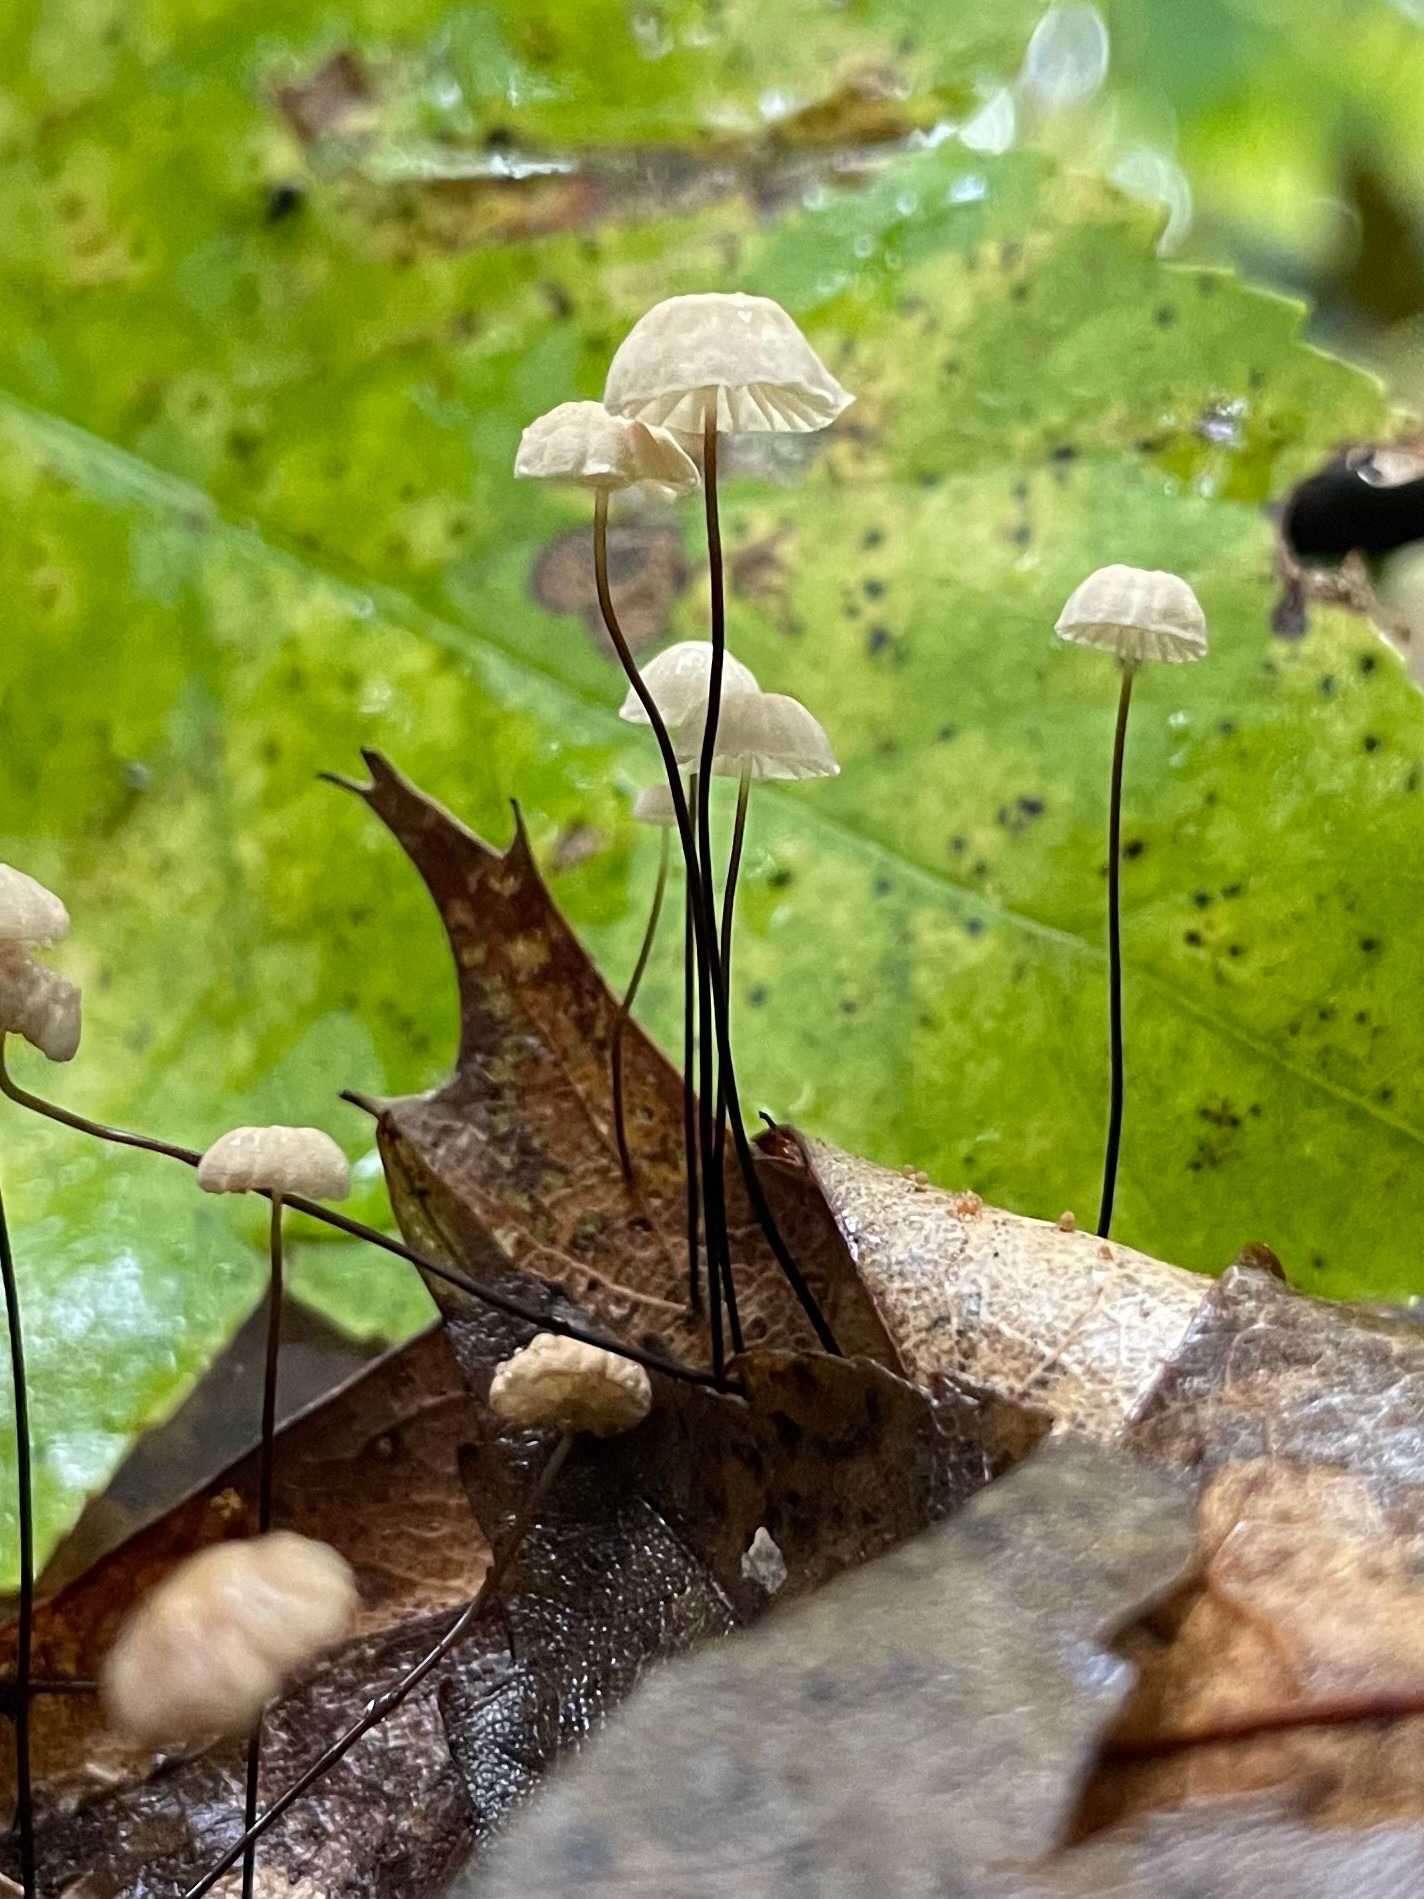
514 1158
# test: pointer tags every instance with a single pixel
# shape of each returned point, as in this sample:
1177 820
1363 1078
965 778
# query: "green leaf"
255 466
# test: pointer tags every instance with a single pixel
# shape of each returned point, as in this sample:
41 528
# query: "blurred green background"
279 286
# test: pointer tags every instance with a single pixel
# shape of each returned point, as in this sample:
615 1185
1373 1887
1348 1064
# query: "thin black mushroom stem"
729 900
384 1704
697 1101
1117 1075
355 1229
25 1514
625 1010
1137 614
274 1161
44 1007
265 1469
727 1079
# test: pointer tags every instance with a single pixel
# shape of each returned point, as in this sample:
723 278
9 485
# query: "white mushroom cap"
582 443
37 1003
563 1384
28 912
654 805
202 1654
276 1160
1137 614
678 680
739 358
766 734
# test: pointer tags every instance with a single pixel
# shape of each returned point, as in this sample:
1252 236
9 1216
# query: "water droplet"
968 188
1067 58
863 247
1178 721
908 203
1223 422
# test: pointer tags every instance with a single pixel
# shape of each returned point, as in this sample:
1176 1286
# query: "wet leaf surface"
898 1733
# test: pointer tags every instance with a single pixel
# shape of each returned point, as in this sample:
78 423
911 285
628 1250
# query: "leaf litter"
1030 1699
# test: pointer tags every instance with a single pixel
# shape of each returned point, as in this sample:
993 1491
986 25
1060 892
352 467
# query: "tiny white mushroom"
740 360
654 805
564 1384
1136 613
281 1160
28 912
678 679
764 735
581 443
763 1563
39 1004
204 1652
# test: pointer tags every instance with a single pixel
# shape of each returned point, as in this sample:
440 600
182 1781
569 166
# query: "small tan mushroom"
38 1004
1136 613
581 443
740 360
28 912
678 679
202 1654
276 1160
562 1384
765 735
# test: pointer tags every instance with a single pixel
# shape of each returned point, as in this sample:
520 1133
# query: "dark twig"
386 1703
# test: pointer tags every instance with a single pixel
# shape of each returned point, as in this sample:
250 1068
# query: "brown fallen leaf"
513 1160
375 1473
899 1732
1025 1308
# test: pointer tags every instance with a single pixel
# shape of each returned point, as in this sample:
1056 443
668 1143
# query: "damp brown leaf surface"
514 1158
897 1733
374 1473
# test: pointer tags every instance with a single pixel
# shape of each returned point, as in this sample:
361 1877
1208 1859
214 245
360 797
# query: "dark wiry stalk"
714 1212
625 1009
726 1072
343 1223
689 1119
714 1183
25 1510
729 898
266 1461
386 1703
1115 1049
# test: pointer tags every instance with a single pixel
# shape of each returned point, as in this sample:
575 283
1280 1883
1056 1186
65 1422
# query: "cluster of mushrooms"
205 1652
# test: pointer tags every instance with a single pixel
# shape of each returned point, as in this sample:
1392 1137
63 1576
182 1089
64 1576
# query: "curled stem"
1117 1084
266 1462
386 1703
625 1009
343 1223
25 1512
